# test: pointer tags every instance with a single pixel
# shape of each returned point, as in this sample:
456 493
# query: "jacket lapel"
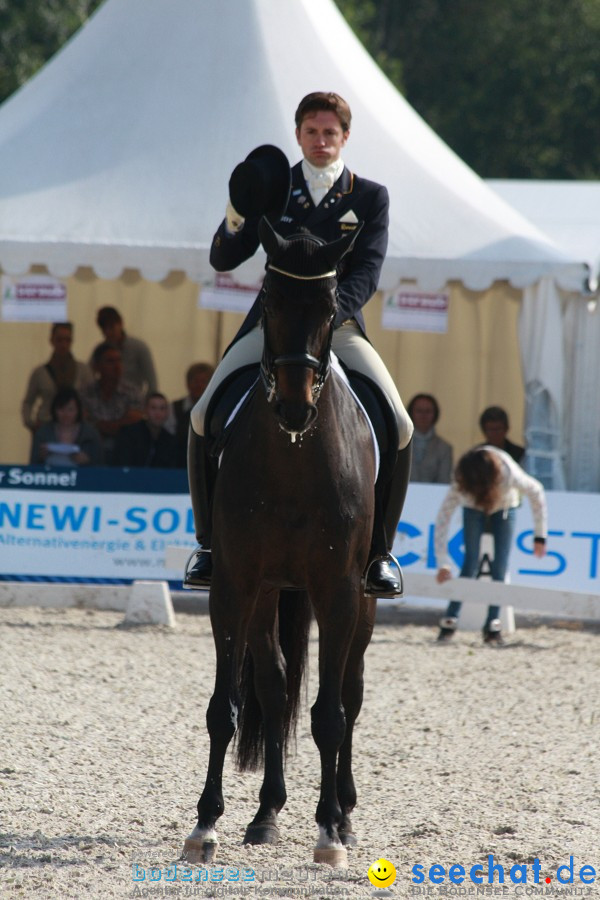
300 204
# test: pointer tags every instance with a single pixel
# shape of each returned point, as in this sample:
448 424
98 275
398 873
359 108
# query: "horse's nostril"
295 417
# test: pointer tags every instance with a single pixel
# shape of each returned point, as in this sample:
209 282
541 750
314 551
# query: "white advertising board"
572 559
70 525
228 295
114 525
33 298
413 310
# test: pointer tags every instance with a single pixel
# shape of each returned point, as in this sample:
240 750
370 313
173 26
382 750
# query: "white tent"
114 161
560 334
568 212
116 155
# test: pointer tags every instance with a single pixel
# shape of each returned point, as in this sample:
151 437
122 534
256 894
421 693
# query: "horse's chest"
291 502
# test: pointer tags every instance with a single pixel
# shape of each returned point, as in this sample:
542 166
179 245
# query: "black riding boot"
384 575
200 478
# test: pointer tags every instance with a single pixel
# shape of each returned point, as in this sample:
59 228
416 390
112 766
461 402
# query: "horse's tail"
294 626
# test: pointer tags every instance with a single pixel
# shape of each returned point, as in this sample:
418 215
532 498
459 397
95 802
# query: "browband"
331 274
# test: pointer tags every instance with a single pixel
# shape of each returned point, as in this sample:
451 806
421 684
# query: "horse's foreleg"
352 697
328 723
221 721
270 688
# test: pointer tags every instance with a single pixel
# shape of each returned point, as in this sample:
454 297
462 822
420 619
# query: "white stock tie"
320 181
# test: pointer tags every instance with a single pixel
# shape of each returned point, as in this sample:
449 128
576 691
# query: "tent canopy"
567 211
117 154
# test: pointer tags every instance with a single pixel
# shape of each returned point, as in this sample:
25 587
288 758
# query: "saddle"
235 391
381 413
218 422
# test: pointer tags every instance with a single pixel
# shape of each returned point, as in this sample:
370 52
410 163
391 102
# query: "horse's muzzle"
295 418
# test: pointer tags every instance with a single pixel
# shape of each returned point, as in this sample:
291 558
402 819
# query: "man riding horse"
327 200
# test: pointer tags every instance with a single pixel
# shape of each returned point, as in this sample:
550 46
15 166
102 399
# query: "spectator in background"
494 424
432 455
61 371
487 482
147 442
111 401
196 378
138 365
66 440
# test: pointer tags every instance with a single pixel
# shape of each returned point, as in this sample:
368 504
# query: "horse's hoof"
333 856
197 851
266 833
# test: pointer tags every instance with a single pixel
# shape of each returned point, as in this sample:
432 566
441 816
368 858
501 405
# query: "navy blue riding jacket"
350 201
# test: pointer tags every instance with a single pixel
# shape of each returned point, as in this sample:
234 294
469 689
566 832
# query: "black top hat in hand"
261 185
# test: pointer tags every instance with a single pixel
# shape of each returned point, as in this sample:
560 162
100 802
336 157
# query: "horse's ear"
333 252
273 243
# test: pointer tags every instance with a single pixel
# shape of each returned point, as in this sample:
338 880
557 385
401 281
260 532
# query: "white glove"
233 221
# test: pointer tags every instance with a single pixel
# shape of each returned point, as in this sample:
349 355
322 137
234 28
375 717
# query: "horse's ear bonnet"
305 255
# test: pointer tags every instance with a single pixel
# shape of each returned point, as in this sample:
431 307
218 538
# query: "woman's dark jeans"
502 527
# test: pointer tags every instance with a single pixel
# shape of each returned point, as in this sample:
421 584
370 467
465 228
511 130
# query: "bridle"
270 363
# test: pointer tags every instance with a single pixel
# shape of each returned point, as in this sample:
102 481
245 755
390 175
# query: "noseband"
270 363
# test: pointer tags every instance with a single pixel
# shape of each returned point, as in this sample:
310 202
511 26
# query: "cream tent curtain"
560 336
475 364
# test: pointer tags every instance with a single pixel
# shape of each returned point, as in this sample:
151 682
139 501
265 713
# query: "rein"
270 363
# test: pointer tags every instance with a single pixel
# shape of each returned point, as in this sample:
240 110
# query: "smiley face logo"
382 873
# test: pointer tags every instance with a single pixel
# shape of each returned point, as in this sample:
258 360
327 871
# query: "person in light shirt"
487 484
322 196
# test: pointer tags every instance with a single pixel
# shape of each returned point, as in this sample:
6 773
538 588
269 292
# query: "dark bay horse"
292 520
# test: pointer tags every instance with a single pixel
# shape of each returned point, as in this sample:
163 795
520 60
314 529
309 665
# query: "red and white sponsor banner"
412 310
228 295
33 298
